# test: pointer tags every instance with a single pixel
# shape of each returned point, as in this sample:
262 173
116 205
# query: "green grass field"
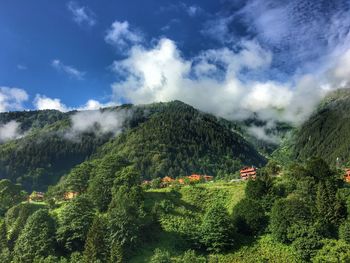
189 205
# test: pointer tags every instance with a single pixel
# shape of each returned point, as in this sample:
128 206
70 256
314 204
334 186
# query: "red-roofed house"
248 173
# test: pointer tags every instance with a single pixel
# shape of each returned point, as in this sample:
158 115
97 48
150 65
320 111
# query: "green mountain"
160 139
326 133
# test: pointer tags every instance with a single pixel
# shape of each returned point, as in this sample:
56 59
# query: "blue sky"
227 57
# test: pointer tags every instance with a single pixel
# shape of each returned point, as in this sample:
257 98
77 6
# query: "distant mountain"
161 139
326 133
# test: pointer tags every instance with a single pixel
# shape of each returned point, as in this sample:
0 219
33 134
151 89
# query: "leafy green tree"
330 208
5 255
286 213
96 245
217 230
190 256
344 231
36 239
100 188
161 256
249 217
77 179
125 216
74 224
257 189
16 218
10 195
333 251
306 239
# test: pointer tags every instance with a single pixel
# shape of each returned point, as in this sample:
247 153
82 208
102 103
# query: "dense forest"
104 198
162 139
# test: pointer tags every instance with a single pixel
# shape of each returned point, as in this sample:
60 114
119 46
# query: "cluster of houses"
248 173
39 196
194 178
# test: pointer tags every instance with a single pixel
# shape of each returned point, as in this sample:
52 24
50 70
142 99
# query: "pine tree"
96 245
36 239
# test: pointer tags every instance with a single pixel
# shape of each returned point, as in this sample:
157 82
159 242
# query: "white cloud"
121 35
10 131
12 98
71 71
42 102
97 121
95 105
81 14
212 82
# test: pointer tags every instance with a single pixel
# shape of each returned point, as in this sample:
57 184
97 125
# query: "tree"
190 256
36 239
330 209
161 256
249 217
257 189
100 188
286 213
16 218
333 251
74 224
344 231
77 179
125 216
217 230
96 245
5 256
10 195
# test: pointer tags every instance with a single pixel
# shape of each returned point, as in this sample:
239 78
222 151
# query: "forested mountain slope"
327 132
161 139
179 140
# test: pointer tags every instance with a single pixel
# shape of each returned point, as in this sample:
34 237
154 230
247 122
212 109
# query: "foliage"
16 218
161 256
36 239
286 213
96 245
74 223
333 251
10 195
217 230
125 215
344 231
249 217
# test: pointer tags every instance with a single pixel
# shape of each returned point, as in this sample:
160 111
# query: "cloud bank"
214 81
10 131
12 98
99 122
41 102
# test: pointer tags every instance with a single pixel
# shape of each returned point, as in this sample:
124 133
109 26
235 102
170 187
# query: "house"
248 173
167 179
36 197
70 195
347 175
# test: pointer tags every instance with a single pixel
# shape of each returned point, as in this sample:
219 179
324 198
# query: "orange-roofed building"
70 195
167 179
347 175
248 173
194 177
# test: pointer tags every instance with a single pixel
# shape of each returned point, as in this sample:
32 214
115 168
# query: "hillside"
161 139
179 140
327 132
